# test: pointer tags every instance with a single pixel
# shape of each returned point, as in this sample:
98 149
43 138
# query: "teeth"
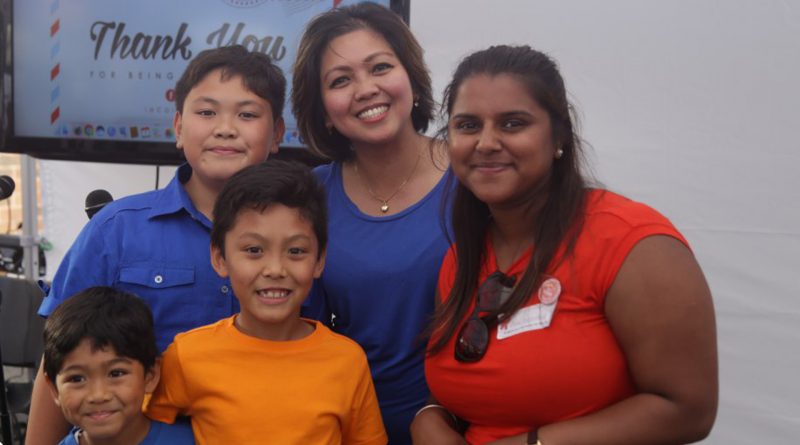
273 293
373 112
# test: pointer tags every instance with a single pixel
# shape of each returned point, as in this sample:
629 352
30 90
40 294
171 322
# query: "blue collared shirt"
154 245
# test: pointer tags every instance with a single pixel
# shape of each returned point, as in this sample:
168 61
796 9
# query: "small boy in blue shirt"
100 359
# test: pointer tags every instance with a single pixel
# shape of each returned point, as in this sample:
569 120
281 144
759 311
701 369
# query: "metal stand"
30 265
30 232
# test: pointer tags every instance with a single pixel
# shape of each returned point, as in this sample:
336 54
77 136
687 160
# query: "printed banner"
107 69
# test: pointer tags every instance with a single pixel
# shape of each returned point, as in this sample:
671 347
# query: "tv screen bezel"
95 149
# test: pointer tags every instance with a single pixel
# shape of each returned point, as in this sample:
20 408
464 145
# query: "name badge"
537 316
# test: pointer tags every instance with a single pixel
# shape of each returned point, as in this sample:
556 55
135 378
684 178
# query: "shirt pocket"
157 277
171 294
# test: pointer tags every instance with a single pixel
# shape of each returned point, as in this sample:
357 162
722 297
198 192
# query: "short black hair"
259 186
258 73
107 317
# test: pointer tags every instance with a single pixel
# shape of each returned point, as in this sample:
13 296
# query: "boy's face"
225 127
272 259
102 393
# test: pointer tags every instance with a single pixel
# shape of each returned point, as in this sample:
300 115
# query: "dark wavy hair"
259 186
259 75
105 316
560 218
307 85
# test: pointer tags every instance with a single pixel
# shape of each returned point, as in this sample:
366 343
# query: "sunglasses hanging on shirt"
473 338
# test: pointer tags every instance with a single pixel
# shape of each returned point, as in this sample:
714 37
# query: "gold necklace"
385 202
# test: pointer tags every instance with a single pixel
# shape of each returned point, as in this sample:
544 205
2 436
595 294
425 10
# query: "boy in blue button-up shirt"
156 244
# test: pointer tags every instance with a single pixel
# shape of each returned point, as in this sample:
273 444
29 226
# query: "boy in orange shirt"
266 375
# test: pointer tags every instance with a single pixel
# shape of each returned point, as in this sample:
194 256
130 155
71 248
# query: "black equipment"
96 200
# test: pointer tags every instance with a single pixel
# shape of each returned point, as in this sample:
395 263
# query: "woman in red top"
568 315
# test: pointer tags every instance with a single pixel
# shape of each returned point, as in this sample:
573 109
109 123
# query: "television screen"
94 79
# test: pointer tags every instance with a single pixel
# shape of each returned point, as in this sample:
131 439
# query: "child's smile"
272 258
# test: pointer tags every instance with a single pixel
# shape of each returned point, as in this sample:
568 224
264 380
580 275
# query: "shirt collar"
174 198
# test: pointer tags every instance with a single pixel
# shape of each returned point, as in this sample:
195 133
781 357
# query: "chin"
101 433
491 197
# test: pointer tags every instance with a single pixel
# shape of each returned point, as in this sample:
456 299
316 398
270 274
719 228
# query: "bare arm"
435 426
661 312
46 424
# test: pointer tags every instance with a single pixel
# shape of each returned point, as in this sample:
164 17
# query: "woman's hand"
435 426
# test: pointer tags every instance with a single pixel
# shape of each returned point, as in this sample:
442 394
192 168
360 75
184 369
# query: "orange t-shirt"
537 374
239 389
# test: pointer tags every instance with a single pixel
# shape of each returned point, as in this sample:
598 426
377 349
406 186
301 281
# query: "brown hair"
262 185
307 87
107 317
560 218
258 73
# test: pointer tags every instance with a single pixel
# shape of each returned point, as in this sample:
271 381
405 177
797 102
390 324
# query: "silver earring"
416 104
559 153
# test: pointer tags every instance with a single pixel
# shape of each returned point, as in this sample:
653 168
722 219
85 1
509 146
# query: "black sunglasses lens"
472 341
473 338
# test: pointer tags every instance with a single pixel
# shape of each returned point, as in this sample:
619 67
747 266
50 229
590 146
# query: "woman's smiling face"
500 139
366 90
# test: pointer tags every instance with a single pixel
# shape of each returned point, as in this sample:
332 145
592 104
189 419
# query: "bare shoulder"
659 269
662 314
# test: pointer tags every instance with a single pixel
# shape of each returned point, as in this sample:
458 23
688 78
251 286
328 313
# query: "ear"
218 262
152 376
278 129
320 264
51 386
177 125
328 123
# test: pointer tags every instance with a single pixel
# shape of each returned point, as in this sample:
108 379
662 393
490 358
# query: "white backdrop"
688 106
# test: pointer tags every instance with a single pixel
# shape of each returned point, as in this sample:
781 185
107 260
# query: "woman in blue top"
362 97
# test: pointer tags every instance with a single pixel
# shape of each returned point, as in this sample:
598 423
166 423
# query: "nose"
98 391
273 267
488 140
225 127
366 89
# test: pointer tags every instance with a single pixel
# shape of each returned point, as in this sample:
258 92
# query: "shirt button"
158 279
224 289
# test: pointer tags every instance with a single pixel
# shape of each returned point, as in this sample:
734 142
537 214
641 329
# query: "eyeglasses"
473 338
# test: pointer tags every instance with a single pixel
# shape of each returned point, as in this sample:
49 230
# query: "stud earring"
559 153
416 104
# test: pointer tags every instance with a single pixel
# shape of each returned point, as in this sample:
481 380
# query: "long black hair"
558 221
